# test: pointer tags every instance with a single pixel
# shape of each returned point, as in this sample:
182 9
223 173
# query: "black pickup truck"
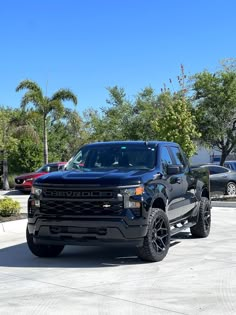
120 192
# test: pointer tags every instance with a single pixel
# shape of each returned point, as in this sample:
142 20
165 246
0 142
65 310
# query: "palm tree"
47 107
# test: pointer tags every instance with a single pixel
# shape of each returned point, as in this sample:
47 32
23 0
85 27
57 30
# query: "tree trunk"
224 155
45 140
5 183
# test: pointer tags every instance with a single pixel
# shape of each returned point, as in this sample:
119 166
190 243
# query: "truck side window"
178 156
165 159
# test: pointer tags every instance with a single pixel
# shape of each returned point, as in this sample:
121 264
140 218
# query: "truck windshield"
113 156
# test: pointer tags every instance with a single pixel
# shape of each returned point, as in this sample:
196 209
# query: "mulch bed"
13 217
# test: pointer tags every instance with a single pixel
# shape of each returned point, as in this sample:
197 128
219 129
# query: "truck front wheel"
42 250
157 241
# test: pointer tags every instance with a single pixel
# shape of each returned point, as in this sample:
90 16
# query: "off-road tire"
42 250
203 226
157 241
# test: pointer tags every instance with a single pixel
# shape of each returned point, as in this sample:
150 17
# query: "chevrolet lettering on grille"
77 194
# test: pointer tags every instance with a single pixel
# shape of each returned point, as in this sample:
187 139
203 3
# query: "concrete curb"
224 201
224 204
224 198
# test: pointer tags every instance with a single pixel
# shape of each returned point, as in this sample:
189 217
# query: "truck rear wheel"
157 241
42 250
203 226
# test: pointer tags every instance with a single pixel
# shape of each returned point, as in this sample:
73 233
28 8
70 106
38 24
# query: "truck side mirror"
48 169
173 169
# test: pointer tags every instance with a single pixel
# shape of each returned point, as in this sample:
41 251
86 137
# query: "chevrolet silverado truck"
121 192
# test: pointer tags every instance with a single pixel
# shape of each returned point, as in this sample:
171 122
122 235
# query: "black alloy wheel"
157 241
203 226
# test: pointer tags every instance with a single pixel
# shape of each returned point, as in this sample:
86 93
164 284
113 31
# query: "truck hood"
115 177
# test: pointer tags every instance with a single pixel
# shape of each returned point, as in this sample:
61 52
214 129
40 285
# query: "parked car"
230 164
24 182
222 179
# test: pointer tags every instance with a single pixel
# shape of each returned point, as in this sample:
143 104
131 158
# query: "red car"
24 182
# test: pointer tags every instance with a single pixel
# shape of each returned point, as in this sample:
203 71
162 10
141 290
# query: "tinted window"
48 168
114 156
44 168
165 159
53 168
231 165
217 170
178 156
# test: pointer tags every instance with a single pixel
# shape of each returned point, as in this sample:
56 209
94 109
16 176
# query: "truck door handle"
178 180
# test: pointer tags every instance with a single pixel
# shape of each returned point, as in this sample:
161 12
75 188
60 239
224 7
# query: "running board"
176 229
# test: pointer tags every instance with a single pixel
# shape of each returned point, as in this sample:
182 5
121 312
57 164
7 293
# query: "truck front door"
188 181
173 184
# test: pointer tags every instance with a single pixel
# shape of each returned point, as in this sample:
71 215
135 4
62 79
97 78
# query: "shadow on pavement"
71 257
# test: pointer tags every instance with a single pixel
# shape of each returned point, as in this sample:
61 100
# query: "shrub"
9 207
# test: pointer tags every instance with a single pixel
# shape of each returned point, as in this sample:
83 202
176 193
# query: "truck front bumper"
87 231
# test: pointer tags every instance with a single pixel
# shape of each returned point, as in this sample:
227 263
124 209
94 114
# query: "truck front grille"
81 207
81 201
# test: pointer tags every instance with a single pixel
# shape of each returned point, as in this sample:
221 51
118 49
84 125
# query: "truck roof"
133 142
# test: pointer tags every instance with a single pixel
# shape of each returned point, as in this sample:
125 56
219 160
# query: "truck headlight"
36 191
134 192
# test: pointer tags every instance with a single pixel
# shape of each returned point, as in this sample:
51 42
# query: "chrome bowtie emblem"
106 206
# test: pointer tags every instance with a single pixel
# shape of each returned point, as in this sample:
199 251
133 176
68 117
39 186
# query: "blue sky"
93 44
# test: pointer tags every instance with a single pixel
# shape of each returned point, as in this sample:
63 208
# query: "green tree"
66 136
12 126
124 119
149 117
145 113
176 122
77 134
113 121
50 108
215 108
7 142
28 154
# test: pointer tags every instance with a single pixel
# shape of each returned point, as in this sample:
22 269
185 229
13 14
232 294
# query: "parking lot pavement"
196 277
